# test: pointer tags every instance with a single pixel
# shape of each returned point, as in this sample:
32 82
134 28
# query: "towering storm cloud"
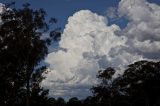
88 44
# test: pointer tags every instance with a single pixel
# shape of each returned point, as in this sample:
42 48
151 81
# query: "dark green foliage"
22 48
143 81
51 102
106 91
138 86
60 102
74 102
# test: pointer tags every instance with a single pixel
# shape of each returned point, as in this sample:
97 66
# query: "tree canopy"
138 85
22 48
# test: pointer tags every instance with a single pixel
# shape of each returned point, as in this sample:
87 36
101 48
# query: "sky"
96 35
62 9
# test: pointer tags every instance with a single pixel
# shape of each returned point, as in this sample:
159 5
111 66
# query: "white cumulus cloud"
88 44
143 30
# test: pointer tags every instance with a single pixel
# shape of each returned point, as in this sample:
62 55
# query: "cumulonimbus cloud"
88 44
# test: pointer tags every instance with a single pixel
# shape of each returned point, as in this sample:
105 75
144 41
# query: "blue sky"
62 9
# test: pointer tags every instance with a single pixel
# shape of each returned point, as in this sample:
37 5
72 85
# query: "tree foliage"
139 85
74 101
22 48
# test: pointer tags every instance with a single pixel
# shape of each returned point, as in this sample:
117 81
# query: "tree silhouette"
22 48
74 102
60 102
51 102
106 91
139 85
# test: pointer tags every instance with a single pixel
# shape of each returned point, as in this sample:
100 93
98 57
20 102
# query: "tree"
141 82
60 102
51 102
74 102
105 92
22 48
139 85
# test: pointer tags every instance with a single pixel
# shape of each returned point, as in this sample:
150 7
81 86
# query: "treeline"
22 49
139 85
